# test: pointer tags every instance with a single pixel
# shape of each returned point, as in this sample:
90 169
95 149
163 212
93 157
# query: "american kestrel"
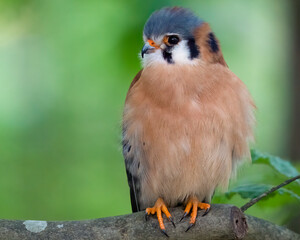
187 118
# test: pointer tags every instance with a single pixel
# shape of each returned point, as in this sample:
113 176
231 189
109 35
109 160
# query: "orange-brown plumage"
188 126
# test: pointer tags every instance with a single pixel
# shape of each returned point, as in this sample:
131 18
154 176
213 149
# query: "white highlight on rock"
60 225
35 226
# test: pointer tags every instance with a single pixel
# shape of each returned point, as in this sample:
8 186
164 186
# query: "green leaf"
284 190
282 166
248 191
254 190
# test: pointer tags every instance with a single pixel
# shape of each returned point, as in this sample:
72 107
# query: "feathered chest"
177 92
181 104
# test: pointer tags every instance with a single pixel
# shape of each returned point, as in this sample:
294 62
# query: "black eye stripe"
167 55
194 50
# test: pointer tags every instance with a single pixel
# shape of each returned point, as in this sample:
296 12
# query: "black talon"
184 215
146 216
206 212
171 220
164 232
190 226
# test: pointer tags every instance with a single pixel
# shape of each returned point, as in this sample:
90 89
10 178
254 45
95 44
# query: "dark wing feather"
133 180
134 192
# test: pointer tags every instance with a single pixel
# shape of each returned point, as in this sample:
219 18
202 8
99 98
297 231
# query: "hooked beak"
147 49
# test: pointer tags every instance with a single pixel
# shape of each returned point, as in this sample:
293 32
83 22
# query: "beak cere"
147 49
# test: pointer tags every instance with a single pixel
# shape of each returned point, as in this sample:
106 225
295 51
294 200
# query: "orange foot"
193 202
158 208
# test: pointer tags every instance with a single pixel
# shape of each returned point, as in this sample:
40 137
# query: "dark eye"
173 39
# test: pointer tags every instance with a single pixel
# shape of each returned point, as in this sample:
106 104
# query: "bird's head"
177 36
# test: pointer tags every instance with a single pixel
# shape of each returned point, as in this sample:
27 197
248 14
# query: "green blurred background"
65 67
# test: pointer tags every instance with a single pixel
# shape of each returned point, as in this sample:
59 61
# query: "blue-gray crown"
172 20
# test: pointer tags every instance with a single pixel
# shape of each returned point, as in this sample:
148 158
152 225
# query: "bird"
187 119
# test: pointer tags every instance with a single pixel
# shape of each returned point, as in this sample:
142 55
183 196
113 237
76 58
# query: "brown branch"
255 200
222 222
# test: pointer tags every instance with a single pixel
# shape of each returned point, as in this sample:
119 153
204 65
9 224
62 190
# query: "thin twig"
255 200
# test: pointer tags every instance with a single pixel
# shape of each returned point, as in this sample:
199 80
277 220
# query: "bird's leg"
159 207
195 204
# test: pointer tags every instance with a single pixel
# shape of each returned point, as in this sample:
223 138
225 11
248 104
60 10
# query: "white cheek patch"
181 54
154 57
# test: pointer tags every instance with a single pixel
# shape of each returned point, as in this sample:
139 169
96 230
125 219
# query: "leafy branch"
255 200
256 192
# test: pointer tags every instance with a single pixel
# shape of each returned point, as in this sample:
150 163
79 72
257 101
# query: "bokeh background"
65 67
